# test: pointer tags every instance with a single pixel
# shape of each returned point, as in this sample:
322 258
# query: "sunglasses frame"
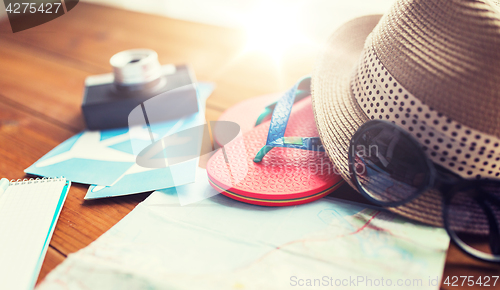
447 197
368 125
439 179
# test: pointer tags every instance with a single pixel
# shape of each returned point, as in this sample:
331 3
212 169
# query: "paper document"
29 210
220 243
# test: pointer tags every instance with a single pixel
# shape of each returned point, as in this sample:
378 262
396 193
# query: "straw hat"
432 67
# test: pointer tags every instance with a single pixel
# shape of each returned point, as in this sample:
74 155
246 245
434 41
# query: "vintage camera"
137 76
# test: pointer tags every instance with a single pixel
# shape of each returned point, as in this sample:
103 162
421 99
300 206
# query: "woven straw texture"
451 55
446 52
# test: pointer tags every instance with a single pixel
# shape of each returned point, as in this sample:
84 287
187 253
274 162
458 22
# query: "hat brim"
338 115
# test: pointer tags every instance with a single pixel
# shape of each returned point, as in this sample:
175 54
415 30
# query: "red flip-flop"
282 170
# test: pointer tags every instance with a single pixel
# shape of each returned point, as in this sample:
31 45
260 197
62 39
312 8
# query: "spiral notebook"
29 210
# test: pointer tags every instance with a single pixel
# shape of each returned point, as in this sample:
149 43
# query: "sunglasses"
390 168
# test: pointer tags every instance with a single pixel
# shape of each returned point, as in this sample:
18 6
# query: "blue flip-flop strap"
279 120
305 143
301 94
268 110
281 114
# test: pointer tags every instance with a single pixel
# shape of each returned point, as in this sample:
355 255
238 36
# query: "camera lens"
136 69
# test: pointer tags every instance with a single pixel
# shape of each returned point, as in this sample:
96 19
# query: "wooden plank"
41 83
24 140
216 54
52 259
460 264
46 84
40 95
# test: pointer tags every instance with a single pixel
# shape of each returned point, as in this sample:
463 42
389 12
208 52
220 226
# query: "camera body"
109 98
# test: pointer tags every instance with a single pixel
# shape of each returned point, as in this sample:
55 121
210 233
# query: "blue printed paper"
139 179
106 158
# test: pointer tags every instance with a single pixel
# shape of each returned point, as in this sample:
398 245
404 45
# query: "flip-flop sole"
271 202
286 176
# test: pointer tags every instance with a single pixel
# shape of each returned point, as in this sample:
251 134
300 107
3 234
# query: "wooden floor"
42 71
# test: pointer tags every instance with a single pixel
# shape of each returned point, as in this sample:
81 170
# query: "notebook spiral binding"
35 180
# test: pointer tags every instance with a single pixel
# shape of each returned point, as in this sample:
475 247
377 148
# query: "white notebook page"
28 213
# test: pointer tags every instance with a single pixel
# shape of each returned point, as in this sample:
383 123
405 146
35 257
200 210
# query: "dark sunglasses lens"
473 216
389 165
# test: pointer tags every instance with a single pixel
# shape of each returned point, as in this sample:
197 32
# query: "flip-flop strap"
270 108
279 120
267 111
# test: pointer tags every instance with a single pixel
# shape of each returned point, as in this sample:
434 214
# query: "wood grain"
89 37
52 259
41 84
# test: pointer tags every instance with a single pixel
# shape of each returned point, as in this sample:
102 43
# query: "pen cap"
4 183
